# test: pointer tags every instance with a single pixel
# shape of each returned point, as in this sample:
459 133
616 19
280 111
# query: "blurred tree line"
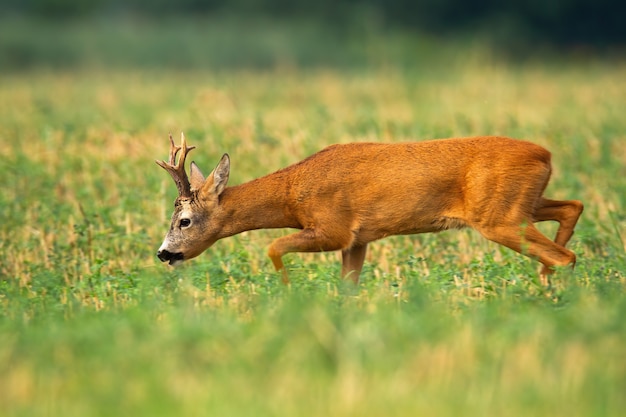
561 22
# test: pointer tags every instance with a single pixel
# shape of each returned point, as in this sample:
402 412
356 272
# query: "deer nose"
174 258
164 255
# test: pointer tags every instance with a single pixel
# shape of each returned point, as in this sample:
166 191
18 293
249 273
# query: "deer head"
193 228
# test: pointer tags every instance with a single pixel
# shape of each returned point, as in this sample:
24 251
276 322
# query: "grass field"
91 324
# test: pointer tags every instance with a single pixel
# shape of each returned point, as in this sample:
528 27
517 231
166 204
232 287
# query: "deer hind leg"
527 240
352 262
307 240
565 212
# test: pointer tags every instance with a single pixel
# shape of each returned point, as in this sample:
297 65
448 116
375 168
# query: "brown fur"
346 196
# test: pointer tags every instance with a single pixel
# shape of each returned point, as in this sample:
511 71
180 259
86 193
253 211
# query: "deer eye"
185 222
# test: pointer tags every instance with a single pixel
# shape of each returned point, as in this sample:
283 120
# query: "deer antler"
177 170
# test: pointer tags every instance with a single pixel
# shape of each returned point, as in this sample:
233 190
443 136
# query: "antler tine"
177 170
185 150
173 151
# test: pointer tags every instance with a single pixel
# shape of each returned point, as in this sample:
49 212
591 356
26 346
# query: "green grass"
91 324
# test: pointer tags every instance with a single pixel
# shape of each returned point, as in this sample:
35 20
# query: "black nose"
164 255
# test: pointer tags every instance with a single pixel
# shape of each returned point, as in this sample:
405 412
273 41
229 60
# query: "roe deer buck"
346 196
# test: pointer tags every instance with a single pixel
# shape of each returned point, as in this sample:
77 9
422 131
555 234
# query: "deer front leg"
277 260
308 240
352 262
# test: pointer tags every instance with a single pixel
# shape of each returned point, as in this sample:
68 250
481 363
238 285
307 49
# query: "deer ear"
217 180
195 177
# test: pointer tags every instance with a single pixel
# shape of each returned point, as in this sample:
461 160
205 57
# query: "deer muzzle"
167 256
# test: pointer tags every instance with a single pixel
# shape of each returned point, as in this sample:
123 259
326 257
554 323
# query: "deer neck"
258 204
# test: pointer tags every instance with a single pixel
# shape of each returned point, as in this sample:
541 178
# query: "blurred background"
225 34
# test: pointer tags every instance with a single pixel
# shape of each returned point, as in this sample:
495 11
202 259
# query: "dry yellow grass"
94 136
